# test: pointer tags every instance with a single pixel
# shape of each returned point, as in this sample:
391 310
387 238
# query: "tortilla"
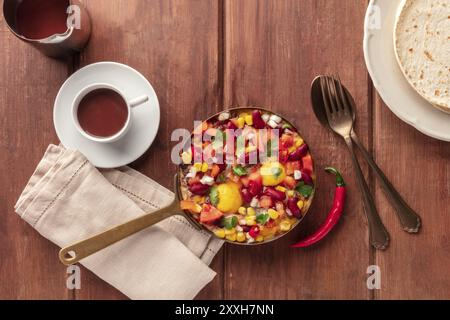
422 44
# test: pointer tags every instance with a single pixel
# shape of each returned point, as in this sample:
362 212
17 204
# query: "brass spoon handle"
409 219
76 252
378 235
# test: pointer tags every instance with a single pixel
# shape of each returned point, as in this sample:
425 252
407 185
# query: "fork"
340 119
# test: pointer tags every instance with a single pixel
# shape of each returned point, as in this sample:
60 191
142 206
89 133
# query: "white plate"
388 78
145 121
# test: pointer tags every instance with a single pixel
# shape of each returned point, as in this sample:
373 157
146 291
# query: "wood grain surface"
202 56
27 92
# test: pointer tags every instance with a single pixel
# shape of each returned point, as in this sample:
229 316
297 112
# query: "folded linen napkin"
67 200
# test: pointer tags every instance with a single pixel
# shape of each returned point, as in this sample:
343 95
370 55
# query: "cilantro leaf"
262 218
230 222
221 178
304 189
240 171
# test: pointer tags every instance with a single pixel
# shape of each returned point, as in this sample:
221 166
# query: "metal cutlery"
334 107
340 120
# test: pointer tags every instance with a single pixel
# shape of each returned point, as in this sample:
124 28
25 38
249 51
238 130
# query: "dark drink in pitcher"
58 28
40 19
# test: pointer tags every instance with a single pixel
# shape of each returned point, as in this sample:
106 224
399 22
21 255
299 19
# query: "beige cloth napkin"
67 199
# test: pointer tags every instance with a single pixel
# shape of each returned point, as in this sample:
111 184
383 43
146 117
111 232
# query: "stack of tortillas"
422 44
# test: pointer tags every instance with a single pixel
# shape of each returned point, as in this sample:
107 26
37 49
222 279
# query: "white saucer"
388 78
145 121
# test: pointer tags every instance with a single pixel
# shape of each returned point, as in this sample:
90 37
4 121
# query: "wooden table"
201 55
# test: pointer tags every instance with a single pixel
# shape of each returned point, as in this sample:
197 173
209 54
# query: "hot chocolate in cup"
101 113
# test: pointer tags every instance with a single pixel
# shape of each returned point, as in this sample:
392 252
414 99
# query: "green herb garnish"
230 222
240 171
214 196
262 218
304 189
221 178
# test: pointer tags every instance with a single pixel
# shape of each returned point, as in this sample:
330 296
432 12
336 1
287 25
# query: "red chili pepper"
333 216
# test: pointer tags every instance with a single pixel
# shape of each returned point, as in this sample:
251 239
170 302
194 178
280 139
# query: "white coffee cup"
130 104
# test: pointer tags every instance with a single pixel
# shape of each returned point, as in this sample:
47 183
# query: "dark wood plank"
175 45
273 50
415 267
29 81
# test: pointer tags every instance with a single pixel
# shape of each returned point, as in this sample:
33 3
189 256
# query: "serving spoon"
409 219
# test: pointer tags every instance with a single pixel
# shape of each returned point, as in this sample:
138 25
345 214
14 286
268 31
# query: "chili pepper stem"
339 180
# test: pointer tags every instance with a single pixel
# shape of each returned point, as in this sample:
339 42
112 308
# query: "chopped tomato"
307 164
266 202
283 155
210 214
194 180
255 176
270 224
291 166
255 185
245 181
215 170
289 182
287 141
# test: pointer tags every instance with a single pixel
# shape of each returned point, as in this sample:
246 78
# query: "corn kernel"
300 204
186 157
249 120
291 193
285 225
259 238
298 142
280 188
220 233
197 208
205 167
251 212
230 232
199 199
240 123
243 115
198 166
273 214
240 237
231 237
242 211
251 220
